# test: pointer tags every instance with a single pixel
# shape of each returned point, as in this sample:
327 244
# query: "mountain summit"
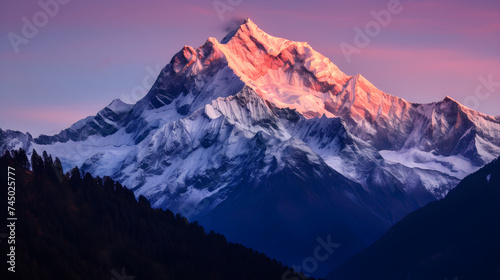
266 141
292 75
289 74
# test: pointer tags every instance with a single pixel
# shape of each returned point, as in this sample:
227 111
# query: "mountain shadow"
457 237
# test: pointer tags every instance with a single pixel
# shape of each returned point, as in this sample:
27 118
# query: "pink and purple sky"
87 53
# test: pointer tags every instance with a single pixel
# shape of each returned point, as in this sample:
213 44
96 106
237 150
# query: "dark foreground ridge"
457 237
74 227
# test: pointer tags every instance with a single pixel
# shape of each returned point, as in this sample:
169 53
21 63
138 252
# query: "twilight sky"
86 53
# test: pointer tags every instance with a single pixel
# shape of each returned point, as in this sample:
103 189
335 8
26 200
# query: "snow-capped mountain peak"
286 73
249 31
259 122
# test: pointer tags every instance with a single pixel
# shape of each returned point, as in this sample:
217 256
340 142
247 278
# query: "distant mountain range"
268 142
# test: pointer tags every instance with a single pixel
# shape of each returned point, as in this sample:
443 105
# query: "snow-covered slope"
457 237
261 126
106 122
292 75
14 140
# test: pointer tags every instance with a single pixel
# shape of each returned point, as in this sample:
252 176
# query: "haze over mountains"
268 142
